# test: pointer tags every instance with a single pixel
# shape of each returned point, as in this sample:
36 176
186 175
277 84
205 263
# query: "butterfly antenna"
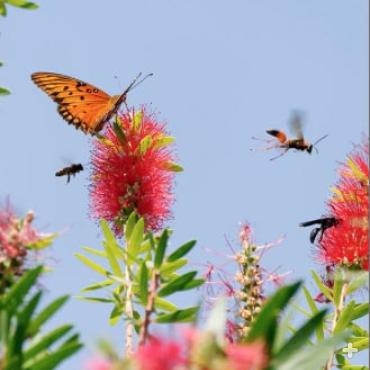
137 81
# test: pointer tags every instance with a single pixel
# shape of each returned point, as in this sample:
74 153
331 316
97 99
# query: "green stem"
336 316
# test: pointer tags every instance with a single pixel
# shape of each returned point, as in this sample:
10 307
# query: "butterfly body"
83 105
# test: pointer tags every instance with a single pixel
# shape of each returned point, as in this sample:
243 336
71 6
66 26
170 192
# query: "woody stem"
149 309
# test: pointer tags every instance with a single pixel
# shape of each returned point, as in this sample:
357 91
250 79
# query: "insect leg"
280 155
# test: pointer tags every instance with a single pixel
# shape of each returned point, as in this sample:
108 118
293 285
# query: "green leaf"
53 359
181 251
18 291
130 224
22 4
145 144
144 283
95 252
115 314
163 141
359 343
161 249
96 286
170 267
176 285
3 90
338 287
46 314
137 120
360 310
43 242
111 248
361 279
186 315
173 167
24 318
117 128
311 303
165 305
345 317
264 326
322 287
135 240
96 299
46 341
299 339
94 266
194 284
357 330
354 367
3 13
313 357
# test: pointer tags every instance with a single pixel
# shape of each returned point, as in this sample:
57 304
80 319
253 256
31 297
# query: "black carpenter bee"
324 224
70 171
298 142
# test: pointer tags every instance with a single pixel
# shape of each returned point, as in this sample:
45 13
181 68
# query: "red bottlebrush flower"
133 170
159 354
347 243
246 356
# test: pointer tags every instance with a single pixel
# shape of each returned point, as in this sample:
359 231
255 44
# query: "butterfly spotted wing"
79 103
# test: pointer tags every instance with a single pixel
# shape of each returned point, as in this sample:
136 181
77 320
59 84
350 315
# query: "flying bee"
298 142
324 224
70 171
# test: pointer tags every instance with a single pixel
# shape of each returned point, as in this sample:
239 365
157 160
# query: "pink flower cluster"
15 234
161 354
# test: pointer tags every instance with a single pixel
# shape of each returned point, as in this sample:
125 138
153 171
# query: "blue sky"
223 72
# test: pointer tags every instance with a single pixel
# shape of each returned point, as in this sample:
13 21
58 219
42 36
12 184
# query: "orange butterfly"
79 103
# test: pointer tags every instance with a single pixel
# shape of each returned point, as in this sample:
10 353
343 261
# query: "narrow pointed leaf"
177 284
181 251
93 265
44 315
144 283
299 339
46 341
186 315
323 288
161 249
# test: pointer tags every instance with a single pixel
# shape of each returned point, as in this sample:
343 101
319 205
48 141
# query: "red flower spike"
159 354
246 356
133 171
347 243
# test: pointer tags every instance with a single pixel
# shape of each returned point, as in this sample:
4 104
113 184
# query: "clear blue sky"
223 71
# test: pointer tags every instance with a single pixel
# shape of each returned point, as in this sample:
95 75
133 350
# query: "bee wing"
296 124
278 134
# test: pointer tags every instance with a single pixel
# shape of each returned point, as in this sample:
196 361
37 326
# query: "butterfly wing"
79 103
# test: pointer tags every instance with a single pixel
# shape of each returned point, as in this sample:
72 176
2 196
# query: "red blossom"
347 243
131 171
159 354
246 356
98 363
